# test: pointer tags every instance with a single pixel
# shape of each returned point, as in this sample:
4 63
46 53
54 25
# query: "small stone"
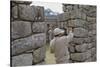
15 12
71 49
91 19
92 33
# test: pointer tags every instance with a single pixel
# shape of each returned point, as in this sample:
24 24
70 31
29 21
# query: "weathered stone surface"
77 23
79 41
83 56
71 49
84 47
20 29
93 38
15 12
21 45
27 12
22 60
81 48
91 59
91 19
39 55
39 11
92 26
39 27
89 10
70 15
92 33
80 32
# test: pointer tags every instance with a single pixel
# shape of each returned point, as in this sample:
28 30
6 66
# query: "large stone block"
84 47
22 45
83 56
22 60
74 14
39 55
77 23
79 41
80 32
27 12
20 29
39 27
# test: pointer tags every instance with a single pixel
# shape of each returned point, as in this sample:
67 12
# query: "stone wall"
29 32
82 18
28 36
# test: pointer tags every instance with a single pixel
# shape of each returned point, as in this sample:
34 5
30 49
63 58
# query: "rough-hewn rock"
92 33
20 29
39 55
84 47
15 12
79 41
91 20
83 56
27 12
76 23
80 32
25 44
22 60
71 49
39 11
39 27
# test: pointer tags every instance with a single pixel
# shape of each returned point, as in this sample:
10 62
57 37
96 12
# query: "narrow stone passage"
50 59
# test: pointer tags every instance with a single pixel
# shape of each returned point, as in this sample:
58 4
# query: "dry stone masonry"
29 32
28 38
82 18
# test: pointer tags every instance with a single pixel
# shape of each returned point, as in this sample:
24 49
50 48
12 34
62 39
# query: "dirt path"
50 59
